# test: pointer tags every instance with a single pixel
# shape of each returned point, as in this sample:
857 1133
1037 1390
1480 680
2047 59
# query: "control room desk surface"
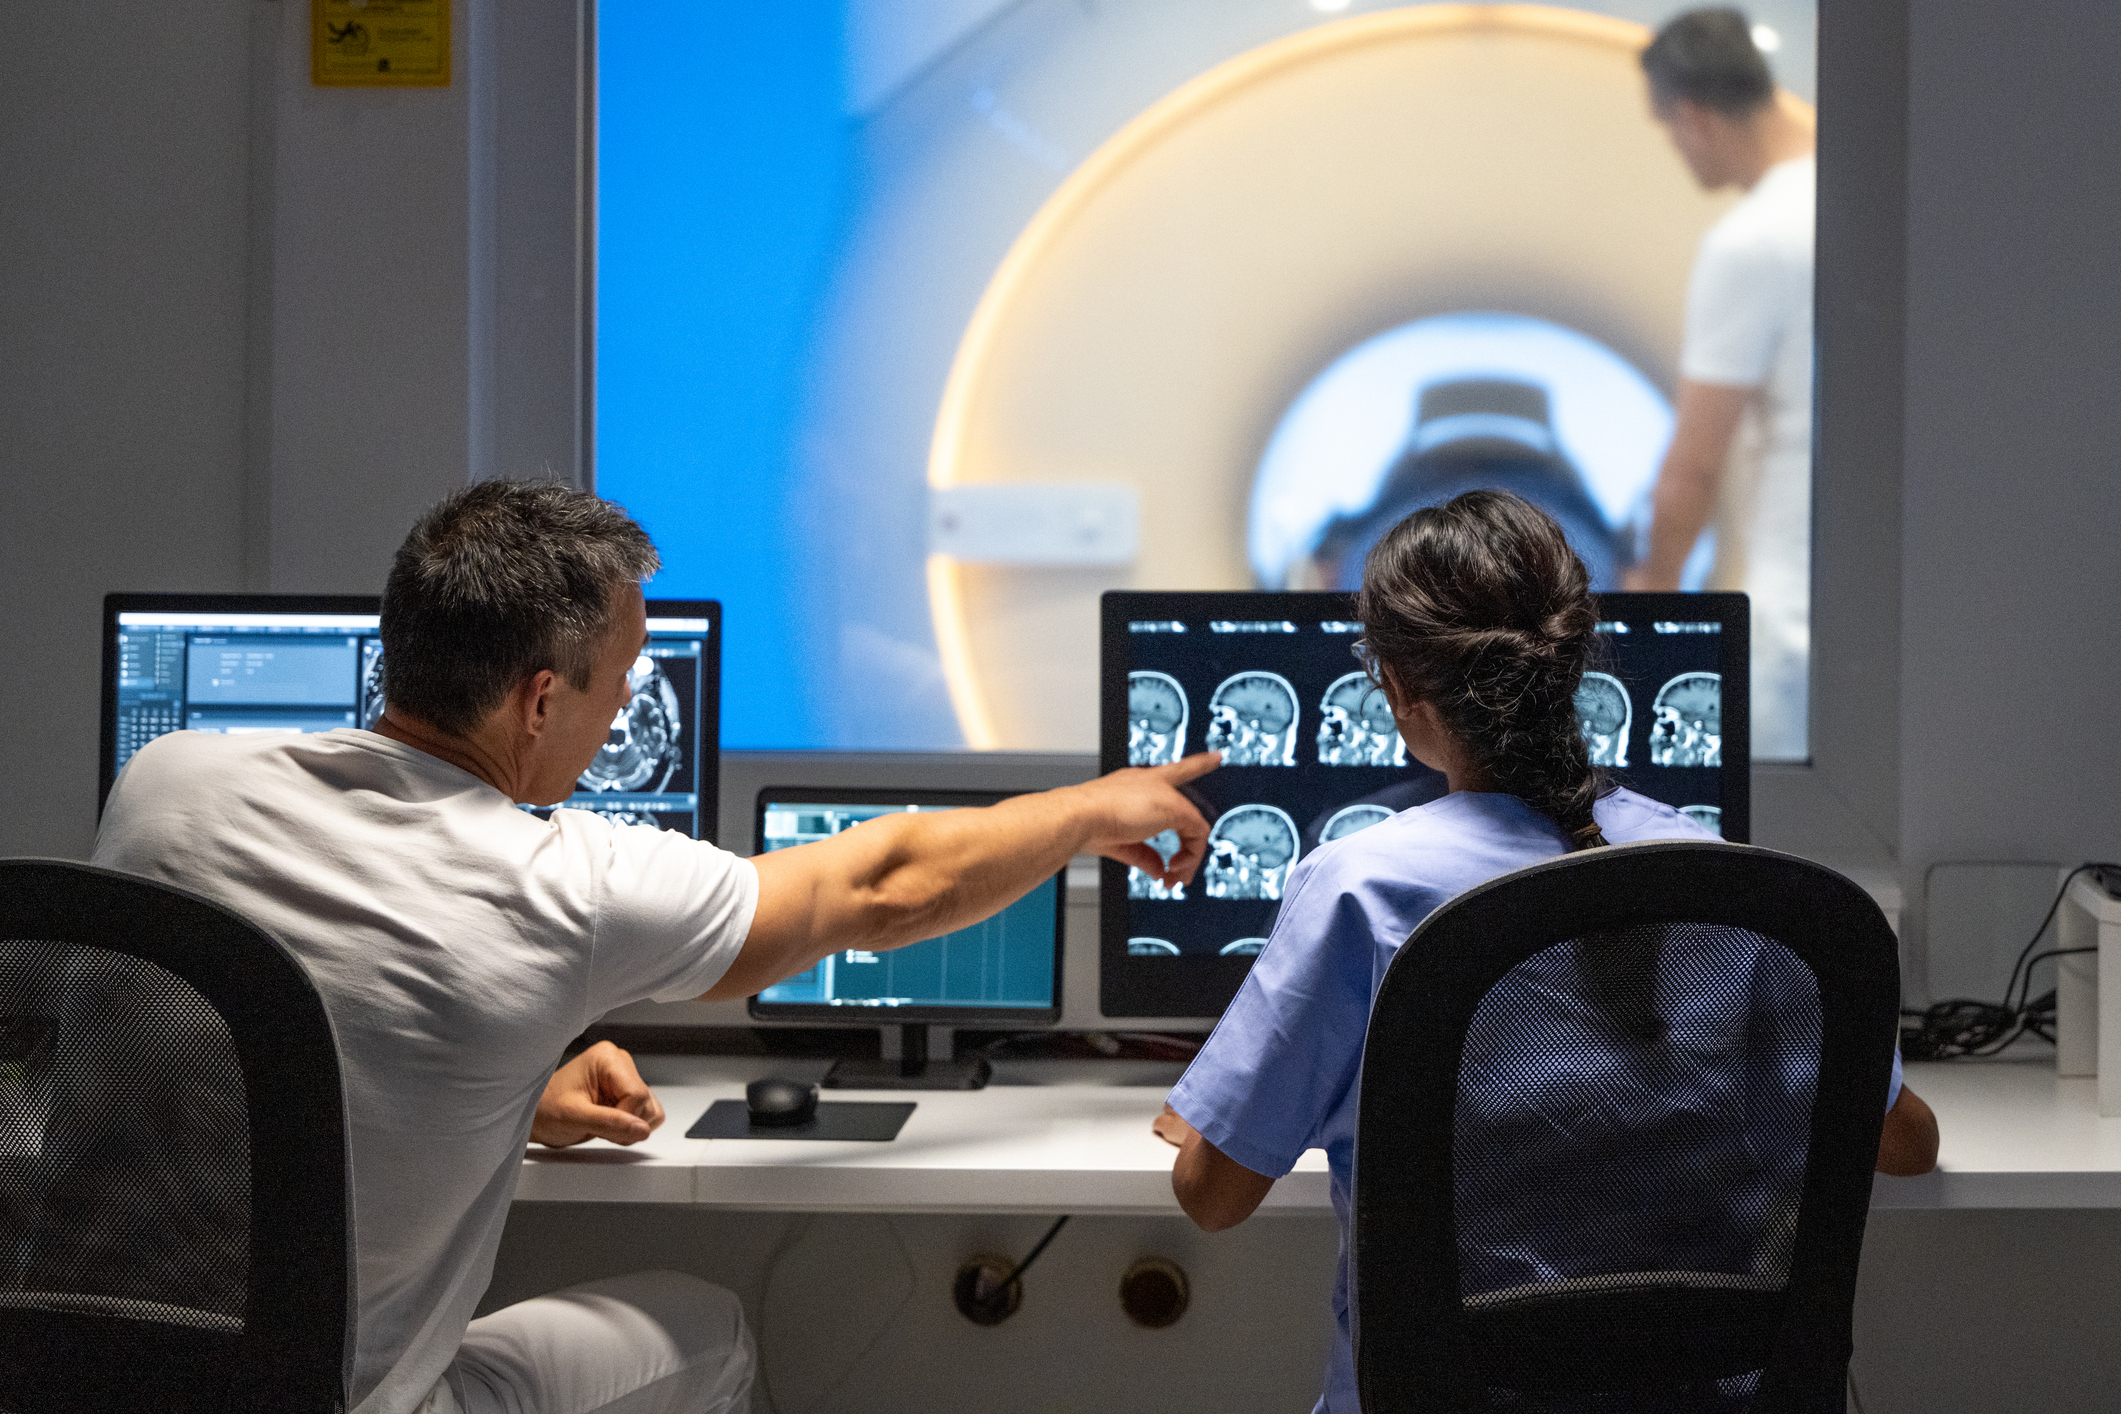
1073 1137
1023 1144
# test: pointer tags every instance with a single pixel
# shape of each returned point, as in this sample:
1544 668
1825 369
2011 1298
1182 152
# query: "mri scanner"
1154 325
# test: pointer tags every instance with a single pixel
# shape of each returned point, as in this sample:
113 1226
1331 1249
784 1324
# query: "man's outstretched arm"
898 879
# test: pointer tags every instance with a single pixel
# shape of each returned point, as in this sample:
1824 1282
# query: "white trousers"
647 1343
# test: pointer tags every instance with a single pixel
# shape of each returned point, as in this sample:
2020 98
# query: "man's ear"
532 701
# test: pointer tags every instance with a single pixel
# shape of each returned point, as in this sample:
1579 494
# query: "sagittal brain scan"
1604 714
1355 725
1244 947
1252 720
1708 816
1150 947
1250 853
1687 729
1350 819
644 747
1156 719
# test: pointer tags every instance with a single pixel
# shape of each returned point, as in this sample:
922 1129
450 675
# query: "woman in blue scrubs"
1477 623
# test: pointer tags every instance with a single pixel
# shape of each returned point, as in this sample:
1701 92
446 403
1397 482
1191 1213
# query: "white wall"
2011 556
124 267
237 326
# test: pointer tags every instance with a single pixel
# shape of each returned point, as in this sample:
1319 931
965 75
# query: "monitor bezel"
1192 988
818 1013
709 708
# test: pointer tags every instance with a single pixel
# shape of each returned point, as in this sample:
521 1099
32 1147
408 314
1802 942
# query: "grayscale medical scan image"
1355 726
1686 727
1707 816
1151 947
1250 853
1156 719
1252 720
644 749
1605 714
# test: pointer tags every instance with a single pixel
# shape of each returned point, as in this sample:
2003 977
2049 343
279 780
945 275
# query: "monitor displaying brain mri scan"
1156 719
1253 668
306 663
1252 719
1604 714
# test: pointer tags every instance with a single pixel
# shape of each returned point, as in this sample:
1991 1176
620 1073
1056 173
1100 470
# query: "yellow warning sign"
379 43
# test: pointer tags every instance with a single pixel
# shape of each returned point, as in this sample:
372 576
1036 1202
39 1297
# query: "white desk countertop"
2014 1136
1043 1148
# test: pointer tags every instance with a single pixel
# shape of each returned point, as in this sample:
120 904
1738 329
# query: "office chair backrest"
173 1163
1618 1118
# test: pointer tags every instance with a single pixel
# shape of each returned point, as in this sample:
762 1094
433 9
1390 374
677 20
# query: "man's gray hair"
502 580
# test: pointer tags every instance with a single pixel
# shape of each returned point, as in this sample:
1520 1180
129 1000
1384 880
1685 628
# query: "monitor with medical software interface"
312 663
1311 754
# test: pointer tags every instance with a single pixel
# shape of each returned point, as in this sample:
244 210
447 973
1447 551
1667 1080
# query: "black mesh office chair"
1618 1119
173 1173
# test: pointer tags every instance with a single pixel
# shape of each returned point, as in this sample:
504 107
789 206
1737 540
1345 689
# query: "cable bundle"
1962 1026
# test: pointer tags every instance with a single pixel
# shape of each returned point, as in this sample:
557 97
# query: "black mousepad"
835 1119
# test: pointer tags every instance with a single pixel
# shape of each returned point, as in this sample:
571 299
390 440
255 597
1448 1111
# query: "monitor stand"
913 1070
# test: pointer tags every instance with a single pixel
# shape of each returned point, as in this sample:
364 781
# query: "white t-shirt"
459 944
1749 325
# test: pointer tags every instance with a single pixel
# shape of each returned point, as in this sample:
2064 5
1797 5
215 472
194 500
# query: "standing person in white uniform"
1741 452
460 943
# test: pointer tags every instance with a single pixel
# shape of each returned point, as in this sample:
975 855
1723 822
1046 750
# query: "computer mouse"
773 1102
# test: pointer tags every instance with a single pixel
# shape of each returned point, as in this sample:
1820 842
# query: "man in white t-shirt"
460 943
1741 451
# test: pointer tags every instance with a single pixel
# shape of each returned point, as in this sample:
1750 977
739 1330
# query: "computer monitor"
1005 971
310 663
1312 754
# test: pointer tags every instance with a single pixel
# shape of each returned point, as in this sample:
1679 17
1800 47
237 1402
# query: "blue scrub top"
1278 1076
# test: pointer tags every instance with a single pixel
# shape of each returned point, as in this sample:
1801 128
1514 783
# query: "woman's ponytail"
1480 608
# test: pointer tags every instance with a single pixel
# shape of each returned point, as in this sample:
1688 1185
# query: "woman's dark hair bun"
1480 608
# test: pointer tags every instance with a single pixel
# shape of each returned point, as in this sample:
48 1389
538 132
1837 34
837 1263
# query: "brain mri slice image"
1350 819
1156 719
644 747
371 684
1151 947
1707 816
1250 853
1252 720
1355 726
1687 728
1144 885
1243 947
1605 715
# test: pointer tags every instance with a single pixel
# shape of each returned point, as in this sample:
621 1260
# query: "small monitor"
312 663
1006 970
1311 754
